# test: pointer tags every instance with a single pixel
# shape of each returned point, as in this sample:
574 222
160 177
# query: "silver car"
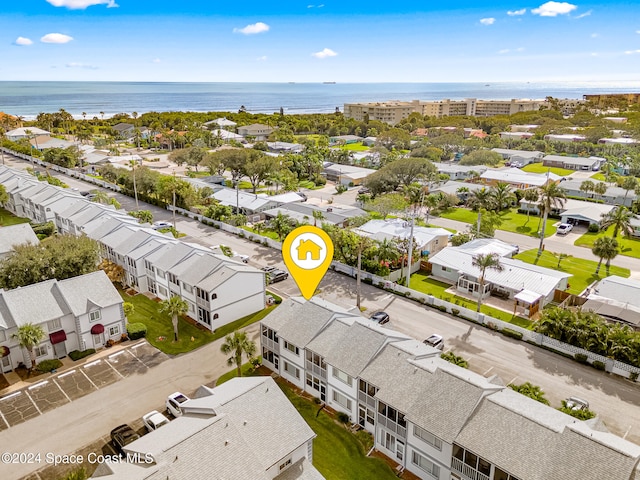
436 341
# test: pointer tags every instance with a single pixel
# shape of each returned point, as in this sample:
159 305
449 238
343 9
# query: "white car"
242 258
564 228
154 420
575 403
159 225
174 403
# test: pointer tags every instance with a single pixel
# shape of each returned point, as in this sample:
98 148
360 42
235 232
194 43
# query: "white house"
613 195
523 157
25 132
348 175
219 123
458 172
564 137
517 178
573 163
256 130
577 212
245 428
76 314
428 240
433 418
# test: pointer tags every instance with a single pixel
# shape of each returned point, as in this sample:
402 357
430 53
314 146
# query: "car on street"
174 403
154 420
159 225
277 276
575 403
268 269
564 228
122 436
241 257
364 191
380 318
436 341
302 195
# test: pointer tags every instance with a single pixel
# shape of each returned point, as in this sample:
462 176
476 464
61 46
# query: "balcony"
270 344
316 370
393 427
202 303
467 472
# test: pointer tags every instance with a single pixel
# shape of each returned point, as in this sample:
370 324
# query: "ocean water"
27 99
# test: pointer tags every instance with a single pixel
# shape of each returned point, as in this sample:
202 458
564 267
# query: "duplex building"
517 178
256 130
217 289
245 428
428 240
76 314
522 157
573 163
612 196
434 419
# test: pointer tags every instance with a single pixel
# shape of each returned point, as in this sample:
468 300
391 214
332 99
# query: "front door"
98 340
5 364
60 350
323 393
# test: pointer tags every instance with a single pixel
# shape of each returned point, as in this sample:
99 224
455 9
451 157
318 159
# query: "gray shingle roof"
299 323
94 288
301 470
354 350
170 255
36 303
13 235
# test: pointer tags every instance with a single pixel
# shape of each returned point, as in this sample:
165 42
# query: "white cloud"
487 21
638 32
585 14
324 53
632 52
506 50
503 51
263 58
23 41
513 13
82 4
252 29
80 65
553 9
156 60
56 38
594 35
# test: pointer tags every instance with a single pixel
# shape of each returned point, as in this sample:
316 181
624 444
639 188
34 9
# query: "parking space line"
38 385
4 420
114 369
34 403
90 381
513 380
626 433
92 363
136 357
60 388
62 375
114 355
485 373
11 395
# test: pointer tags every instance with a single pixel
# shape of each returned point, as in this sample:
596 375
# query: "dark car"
123 435
303 196
380 318
277 276
364 190
436 341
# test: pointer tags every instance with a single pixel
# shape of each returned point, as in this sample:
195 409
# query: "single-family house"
256 130
428 240
459 172
517 178
220 123
245 428
348 175
519 157
344 139
452 187
227 136
76 314
522 128
43 142
369 141
25 132
13 235
516 135
253 205
334 214
573 163
619 141
564 137
393 386
616 299
284 147
613 195
576 212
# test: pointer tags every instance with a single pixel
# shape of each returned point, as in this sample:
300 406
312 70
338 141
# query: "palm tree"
281 225
28 336
530 196
587 186
430 201
560 256
132 164
551 196
600 188
237 345
174 307
531 391
502 195
387 251
483 262
362 243
620 218
317 215
605 248
629 183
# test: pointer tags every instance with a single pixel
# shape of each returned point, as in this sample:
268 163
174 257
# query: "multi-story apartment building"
217 289
433 418
392 112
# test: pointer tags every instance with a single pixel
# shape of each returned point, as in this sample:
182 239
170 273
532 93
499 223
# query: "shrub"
507 332
136 330
580 357
455 312
367 280
342 417
77 354
45 366
598 365
317 401
594 228
633 376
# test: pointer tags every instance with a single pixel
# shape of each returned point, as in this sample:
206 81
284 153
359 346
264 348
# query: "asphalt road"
614 399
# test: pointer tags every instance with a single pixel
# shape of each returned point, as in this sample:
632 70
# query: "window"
427 437
114 330
3 336
342 400
204 316
95 316
162 290
285 464
202 294
313 382
215 316
291 347
56 324
343 377
214 296
424 464
172 278
367 388
152 287
160 273
292 370
187 288
192 307
40 350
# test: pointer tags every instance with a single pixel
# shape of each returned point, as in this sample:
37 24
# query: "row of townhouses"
76 314
217 289
433 418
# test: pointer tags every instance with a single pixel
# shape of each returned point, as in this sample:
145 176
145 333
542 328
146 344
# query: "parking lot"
70 385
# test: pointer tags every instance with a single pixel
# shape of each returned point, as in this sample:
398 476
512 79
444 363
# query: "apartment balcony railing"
202 303
366 399
392 426
467 472
270 344
316 370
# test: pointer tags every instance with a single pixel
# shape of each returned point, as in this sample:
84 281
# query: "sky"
296 41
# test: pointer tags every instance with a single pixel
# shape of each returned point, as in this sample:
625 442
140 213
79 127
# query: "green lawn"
160 328
265 233
583 271
599 176
355 147
421 282
628 246
540 168
512 221
7 218
337 453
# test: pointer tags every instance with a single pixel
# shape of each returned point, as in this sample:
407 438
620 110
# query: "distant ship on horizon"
329 83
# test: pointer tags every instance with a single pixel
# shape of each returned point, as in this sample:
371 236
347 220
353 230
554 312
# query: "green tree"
29 336
143 216
484 262
583 414
174 307
587 186
531 391
481 157
218 212
502 195
620 217
551 196
455 359
386 204
317 215
488 223
259 167
530 196
4 198
281 224
238 345
606 248
600 188
627 184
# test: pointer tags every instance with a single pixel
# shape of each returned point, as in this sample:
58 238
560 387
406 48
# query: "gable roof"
37 304
13 235
83 292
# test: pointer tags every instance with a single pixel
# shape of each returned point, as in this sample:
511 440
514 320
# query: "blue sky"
343 41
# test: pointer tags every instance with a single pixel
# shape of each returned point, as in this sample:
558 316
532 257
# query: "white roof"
517 153
527 296
454 168
350 171
227 135
588 210
398 228
26 132
517 176
625 290
484 246
516 275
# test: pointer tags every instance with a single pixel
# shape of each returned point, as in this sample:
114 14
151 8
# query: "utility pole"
544 222
135 189
237 182
408 277
174 200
